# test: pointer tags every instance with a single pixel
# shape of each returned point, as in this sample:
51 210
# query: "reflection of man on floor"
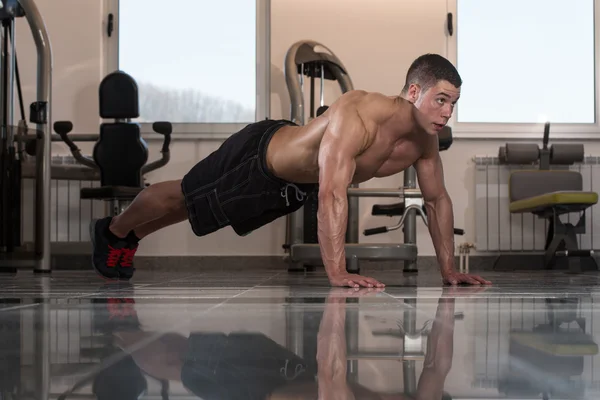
246 365
332 359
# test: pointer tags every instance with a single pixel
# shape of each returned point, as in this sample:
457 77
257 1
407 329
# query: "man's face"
435 105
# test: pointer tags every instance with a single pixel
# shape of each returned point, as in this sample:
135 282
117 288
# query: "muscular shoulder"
368 103
373 108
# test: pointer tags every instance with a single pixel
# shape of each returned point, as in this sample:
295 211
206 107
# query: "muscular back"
383 138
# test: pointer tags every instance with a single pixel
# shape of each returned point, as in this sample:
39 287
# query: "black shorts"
234 187
240 365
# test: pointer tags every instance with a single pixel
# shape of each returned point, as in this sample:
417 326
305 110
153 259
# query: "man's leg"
114 238
174 217
153 203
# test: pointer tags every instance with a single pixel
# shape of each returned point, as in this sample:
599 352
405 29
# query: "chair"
120 154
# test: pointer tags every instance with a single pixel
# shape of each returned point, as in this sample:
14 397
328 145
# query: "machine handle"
422 213
62 128
164 128
375 231
546 134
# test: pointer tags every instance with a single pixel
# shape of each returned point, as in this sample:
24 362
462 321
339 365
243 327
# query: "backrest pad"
118 95
120 153
530 183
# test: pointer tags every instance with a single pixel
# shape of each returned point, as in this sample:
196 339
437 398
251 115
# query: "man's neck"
403 122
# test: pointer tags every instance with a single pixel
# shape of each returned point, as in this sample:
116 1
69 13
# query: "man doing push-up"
266 171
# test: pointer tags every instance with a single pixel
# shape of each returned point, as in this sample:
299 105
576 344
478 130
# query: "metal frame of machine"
11 136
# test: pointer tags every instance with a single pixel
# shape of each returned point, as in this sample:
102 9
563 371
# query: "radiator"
496 229
70 215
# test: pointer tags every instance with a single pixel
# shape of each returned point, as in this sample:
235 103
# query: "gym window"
524 63
202 65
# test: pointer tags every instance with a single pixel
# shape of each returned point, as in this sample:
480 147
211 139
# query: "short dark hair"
429 69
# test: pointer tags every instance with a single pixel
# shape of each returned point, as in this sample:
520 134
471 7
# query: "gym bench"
550 194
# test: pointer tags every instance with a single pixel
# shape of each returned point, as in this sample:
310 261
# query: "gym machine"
11 151
314 60
120 154
549 192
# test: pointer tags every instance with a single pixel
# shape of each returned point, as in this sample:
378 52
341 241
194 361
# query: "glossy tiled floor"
272 335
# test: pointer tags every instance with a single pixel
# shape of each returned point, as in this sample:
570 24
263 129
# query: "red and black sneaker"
108 249
126 269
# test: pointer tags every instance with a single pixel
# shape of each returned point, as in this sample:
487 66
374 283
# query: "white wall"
384 39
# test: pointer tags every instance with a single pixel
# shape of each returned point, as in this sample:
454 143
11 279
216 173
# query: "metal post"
42 353
322 102
11 84
294 316
44 96
313 73
409 367
410 222
352 334
4 229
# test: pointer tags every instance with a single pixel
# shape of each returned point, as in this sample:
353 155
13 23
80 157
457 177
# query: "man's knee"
169 193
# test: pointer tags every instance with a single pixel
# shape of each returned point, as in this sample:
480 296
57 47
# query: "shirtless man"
266 171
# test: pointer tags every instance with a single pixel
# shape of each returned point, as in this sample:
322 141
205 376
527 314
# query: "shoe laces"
113 256
127 256
121 308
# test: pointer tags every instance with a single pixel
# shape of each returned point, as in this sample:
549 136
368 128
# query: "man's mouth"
439 126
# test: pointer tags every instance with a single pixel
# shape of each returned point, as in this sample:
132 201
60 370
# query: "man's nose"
447 112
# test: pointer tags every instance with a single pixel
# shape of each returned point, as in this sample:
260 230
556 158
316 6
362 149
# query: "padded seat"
550 194
558 343
121 193
561 202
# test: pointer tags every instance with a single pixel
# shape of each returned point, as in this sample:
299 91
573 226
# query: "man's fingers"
471 280
477 279
480 279
375 283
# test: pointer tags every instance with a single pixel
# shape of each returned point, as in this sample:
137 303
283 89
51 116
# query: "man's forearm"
438 356
440 342
332 218
441 227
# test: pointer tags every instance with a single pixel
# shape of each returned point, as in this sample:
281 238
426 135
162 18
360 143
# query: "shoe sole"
93 239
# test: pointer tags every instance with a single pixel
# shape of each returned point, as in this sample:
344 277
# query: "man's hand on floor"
345 279
456 278
344 293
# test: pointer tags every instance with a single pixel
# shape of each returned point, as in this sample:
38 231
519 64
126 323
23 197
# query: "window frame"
203 130
474 130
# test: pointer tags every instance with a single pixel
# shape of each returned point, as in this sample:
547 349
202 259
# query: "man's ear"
414 91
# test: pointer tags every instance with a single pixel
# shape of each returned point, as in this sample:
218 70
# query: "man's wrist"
335 272
447 268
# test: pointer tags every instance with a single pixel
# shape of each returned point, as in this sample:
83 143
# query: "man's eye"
440 101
